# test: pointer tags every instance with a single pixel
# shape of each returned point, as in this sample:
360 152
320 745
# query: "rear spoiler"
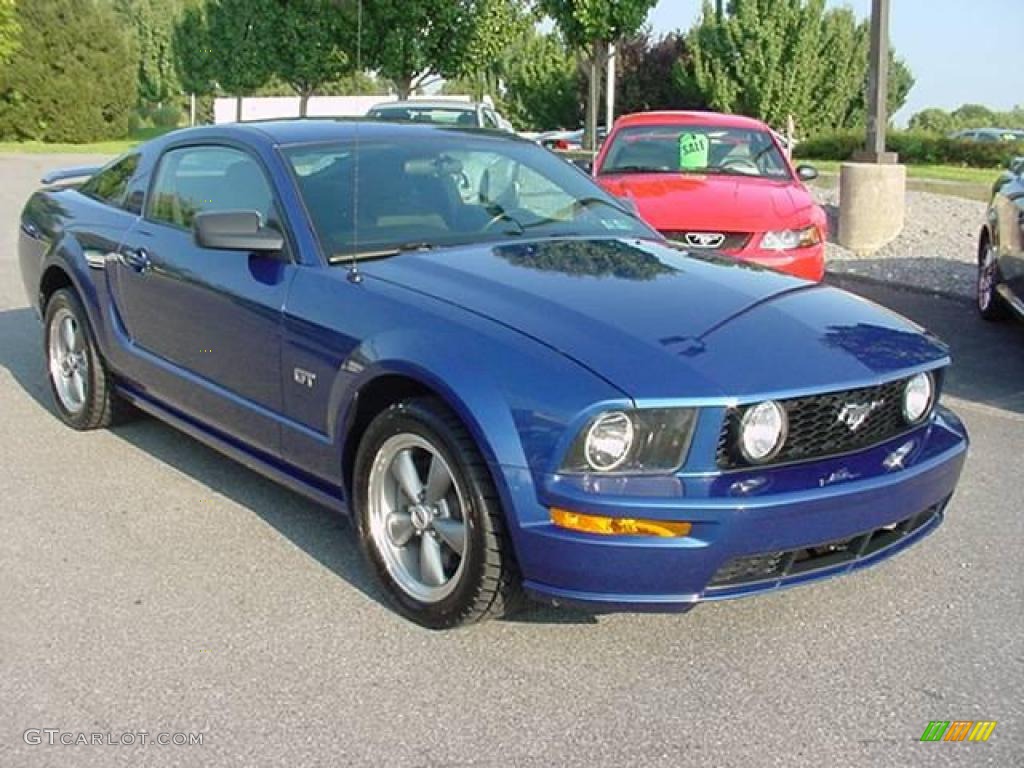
63 174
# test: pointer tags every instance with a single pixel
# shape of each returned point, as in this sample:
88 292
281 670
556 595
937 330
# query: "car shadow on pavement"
322 533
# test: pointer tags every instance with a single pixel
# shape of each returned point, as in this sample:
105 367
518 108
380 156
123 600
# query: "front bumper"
753 531
808 263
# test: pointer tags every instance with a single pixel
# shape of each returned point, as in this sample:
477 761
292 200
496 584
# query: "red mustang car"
719 183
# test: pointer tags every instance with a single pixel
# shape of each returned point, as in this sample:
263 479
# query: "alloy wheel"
986 278
69 360
417 516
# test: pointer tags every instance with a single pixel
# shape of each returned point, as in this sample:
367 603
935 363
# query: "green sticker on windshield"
693 151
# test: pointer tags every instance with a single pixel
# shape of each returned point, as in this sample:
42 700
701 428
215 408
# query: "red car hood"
725 203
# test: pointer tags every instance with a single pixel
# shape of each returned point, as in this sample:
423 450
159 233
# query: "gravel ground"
936 251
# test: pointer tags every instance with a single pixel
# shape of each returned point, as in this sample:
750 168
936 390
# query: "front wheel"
429 517
990 303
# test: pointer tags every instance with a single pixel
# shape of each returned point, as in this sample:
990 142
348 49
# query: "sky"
960 51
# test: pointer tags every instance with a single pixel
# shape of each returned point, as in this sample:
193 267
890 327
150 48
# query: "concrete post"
872 189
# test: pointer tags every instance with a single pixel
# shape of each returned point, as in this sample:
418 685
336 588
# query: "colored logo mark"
958 730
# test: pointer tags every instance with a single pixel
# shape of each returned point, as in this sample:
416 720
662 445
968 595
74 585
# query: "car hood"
657 323
713 203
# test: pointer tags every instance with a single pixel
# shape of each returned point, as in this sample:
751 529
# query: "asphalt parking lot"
149 584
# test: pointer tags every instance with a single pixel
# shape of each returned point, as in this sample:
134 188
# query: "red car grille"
730 241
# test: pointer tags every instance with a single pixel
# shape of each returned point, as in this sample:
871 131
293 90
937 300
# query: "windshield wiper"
636 169
383 253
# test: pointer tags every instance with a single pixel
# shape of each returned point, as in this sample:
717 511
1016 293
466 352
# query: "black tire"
488 583
100 407
990 304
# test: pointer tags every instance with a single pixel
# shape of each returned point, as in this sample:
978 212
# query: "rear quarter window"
109 185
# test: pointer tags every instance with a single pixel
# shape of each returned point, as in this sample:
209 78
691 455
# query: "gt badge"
304 377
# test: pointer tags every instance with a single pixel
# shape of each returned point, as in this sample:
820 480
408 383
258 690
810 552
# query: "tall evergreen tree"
9 29
774 58
68 81
152 23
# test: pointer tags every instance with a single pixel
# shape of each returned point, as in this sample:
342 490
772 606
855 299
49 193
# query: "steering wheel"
502 215
742 165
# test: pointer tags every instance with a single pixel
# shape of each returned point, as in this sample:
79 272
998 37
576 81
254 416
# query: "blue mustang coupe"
511 383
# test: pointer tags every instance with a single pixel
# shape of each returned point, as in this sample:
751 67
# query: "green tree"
589 27
542 84
9 30
774 58
414 42
502 29
241 37
932 120
72 79
307 51
152 23
193 52
974 116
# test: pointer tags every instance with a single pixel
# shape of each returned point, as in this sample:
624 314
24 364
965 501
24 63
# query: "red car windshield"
701 149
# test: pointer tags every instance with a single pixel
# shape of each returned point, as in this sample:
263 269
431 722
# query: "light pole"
878 87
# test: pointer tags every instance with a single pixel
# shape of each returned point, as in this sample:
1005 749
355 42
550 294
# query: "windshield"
701 149
439 190
437 115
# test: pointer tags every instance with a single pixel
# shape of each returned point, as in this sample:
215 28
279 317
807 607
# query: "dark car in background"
988 135
1001 248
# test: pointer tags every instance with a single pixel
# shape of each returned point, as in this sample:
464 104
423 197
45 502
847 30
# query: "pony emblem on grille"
853 415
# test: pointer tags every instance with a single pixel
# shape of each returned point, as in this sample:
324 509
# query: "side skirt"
280 472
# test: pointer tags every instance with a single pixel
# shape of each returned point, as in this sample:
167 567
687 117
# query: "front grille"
815 428
733 241
775 566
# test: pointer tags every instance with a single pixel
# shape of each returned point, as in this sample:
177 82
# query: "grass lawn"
929 172
115 147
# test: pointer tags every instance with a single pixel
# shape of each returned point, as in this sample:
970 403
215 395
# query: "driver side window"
193 180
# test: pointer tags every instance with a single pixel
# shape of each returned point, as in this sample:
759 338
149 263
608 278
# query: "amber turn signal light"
617 526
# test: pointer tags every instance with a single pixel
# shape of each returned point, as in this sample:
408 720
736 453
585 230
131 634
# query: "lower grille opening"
773 566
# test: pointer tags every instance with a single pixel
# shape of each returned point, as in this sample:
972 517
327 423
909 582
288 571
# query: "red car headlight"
790 239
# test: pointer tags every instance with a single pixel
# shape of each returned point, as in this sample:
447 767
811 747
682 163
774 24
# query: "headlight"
790 239
918 395
644 441
762 431
608 441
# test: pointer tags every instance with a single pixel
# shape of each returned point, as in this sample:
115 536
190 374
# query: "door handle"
136 259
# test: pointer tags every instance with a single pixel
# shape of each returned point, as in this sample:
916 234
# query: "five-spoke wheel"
429 517
416 517
81 385
69 363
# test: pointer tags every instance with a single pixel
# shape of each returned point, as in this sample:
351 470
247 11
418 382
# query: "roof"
315 130
692 118
428 104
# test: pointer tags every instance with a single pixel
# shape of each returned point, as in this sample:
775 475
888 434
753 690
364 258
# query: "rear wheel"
990 303
429 517
79 381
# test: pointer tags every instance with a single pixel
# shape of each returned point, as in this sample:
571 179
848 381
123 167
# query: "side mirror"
585 164
1017 166
806 172
236 231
